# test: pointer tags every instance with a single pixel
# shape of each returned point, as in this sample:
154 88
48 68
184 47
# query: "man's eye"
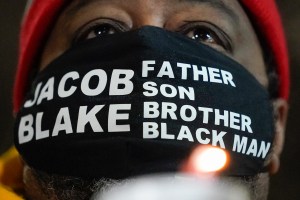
203 35
207 34
98 28
101 30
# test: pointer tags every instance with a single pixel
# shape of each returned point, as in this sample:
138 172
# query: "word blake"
121 81
31 126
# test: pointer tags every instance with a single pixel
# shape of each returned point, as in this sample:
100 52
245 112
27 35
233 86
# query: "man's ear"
280 107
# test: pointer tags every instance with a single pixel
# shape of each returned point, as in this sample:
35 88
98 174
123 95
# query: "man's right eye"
101 30
98 28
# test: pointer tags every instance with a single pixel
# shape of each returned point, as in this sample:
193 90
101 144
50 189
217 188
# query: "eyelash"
83 31
222 40
221 37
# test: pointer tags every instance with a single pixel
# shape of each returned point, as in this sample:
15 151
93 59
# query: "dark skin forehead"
218 4
227 15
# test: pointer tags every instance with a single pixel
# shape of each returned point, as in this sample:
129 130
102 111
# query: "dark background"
285 185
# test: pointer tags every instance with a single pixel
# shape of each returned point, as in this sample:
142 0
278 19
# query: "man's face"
220 24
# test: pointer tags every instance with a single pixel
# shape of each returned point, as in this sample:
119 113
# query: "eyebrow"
79 5
217 4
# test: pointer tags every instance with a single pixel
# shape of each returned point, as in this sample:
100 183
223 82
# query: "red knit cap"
42 14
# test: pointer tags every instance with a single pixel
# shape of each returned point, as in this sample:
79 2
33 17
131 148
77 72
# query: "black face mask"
139 102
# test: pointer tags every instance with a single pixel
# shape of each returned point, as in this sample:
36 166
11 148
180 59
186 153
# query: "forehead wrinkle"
79 5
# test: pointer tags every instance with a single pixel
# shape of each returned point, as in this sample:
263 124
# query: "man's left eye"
203 35
207 34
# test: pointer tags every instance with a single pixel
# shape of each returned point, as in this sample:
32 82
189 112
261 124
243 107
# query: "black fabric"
119 154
